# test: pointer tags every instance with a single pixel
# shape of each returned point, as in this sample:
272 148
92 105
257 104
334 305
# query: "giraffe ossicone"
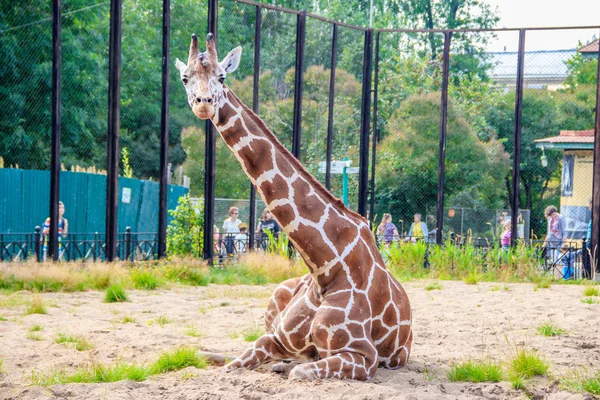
348 315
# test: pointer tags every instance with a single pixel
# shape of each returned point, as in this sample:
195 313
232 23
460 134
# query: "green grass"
36 305
591 291
472 278
115 294
433 286
590 300
128 319
475 371
550 329
1 366
3 318
145 279
80 343
34 336
583 383
253 333
163 320
180 358
36 328
192 331
525 365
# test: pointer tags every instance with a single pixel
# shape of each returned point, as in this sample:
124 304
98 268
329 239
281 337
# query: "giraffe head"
204 75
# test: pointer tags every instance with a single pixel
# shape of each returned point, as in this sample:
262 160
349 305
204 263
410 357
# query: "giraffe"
348 315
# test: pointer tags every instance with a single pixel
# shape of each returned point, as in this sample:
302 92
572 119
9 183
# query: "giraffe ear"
232 61
180 65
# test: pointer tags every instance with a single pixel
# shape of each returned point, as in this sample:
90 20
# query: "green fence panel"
130 195
10 198
35 200
73 192
173 195
148 221
95 204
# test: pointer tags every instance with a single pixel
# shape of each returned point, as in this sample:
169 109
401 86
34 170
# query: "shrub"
115 294
185 232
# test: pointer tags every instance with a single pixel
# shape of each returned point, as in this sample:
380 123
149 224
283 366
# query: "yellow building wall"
583 173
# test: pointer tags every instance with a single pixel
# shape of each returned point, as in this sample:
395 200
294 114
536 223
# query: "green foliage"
475 371
591 291
115 294
525 365
94 373
433 286
145 278
180 358
253 333
550 329
185 232
80 343
582 70
127 170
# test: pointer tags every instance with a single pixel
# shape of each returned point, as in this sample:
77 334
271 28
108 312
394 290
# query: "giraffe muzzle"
203 107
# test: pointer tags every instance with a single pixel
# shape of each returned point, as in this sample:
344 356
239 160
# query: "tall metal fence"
431 122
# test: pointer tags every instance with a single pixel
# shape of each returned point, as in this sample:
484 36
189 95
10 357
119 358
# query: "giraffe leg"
284 367
279 300
401 357
345 365
264 350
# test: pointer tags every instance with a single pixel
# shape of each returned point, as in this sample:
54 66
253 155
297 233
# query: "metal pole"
442 146
365 124
164 130
298 84
596 184
330 109
375 133
517 140
257 31
114 109
209 158
56 126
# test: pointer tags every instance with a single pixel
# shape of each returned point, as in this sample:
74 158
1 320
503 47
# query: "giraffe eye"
184 80
221 79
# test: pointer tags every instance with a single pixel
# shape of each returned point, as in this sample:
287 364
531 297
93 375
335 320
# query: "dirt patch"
452 324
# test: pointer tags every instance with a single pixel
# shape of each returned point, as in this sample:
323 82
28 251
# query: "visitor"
556 232
418 229
387 229
63 230
506 235
231 227
241 239
267 224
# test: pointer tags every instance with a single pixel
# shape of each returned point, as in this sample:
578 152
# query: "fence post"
127 242
596 185
365 124
209 158
331 104
375 133
56 126
37 237
442 147
114 110
256 83
298 84
1 247
164 130
517 141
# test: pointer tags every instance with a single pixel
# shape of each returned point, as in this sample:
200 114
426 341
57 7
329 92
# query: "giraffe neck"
312 218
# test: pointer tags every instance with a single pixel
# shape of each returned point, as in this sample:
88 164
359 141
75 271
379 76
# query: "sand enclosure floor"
455 323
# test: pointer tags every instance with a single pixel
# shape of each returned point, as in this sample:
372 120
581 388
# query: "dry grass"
277 268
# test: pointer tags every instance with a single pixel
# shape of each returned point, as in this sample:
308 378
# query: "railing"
78 246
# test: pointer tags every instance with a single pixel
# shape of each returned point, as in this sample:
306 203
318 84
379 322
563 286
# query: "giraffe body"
349 314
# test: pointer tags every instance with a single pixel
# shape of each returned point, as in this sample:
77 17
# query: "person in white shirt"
231 227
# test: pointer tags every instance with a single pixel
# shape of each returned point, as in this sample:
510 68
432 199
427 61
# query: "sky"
540 13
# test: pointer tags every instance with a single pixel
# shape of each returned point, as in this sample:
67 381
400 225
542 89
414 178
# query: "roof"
540 67
578 140
590 48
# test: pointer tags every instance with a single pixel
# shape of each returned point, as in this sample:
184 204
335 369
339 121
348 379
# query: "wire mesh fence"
557 137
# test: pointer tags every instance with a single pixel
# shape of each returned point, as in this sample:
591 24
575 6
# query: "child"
568 260
506 235
241 238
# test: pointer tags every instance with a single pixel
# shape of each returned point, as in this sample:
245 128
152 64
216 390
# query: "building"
590 50
577 177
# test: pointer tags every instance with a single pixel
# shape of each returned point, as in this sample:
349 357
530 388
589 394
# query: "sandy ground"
455 323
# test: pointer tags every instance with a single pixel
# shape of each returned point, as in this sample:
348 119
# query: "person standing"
63 230
387 229
267 224
556 232
506 235
231 227
418 229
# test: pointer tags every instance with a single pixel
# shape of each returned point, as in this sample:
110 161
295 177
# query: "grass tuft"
144 279
590 300
128 319
3 318
472 278
180 358
34 336
433 286
475 371
525 365
80 343
36 306
36 328
1 366
591 291
192 331
115 294
550 329
163 320
580 382
253 333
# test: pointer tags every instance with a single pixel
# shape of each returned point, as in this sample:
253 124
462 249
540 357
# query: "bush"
185 232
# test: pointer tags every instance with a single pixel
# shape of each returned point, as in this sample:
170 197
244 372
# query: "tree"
406 180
